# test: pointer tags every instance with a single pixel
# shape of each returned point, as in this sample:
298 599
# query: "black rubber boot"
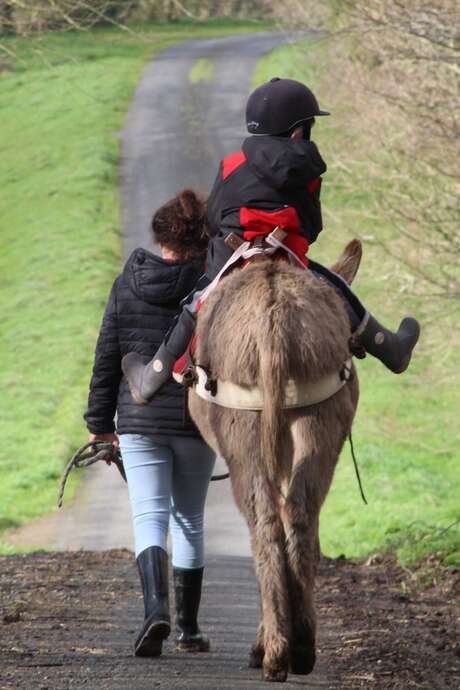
153 570
187 587
145 379
394 350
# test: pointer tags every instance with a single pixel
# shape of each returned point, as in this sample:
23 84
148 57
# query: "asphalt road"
176 132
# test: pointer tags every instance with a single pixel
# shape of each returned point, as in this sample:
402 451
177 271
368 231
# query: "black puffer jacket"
142 307
270 173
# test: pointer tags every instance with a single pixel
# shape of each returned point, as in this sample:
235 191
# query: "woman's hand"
106 438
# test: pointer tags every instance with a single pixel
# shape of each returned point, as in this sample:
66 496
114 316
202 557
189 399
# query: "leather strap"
297 393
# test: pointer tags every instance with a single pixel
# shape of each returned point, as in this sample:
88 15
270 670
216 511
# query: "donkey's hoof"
274 673
256 656
302 660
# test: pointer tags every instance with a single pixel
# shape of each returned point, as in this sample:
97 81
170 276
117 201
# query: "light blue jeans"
168 479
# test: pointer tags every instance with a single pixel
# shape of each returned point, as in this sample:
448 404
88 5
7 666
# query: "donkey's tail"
273 374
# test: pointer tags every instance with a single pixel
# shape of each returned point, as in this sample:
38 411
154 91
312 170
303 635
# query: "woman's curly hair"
181 225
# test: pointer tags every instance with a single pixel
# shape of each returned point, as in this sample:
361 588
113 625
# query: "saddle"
245 252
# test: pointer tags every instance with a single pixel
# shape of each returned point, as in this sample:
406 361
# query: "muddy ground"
68 620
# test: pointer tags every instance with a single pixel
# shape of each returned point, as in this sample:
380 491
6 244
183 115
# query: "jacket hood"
157 281
283 163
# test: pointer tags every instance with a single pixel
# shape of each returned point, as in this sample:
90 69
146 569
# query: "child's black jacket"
270 173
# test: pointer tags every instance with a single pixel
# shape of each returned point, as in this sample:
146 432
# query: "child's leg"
145 379
178 337
394 350
355 309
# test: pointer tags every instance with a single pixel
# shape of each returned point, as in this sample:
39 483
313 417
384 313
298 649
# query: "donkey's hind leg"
300 575
267 538
301 532
256 656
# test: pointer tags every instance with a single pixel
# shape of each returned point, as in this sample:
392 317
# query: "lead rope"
87 455
93 452
219 477
355 463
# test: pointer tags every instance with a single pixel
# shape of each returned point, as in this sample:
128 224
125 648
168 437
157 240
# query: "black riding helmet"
280 104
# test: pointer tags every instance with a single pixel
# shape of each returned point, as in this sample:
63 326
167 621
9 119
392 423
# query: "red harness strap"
184 360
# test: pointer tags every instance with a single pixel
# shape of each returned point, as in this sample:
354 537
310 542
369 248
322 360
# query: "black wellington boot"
187 587
153 570
145 379
394 350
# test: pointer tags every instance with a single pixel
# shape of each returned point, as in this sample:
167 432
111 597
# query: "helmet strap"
306 126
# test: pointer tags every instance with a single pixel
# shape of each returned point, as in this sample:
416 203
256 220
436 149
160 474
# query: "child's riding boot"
187 587
153 571
145 379
394 350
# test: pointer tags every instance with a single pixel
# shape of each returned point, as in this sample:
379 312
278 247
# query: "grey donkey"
261 326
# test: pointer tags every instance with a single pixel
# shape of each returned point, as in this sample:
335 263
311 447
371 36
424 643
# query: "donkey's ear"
348 263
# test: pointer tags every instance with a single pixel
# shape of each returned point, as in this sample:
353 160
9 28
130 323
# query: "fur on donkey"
263 325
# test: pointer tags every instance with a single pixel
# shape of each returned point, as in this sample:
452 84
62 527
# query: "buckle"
356 348
189 377
233 241
346 373
211 386
278 234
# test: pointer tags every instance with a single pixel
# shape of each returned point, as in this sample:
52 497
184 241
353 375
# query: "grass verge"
202 70
63 99
404 432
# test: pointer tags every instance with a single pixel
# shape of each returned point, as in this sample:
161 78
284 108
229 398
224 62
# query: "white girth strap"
297 393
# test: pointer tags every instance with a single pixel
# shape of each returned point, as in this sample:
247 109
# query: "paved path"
69 619
176 132
80 630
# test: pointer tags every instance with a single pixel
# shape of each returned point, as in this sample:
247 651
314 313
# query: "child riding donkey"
273 184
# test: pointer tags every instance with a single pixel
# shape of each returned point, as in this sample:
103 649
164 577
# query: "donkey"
262 326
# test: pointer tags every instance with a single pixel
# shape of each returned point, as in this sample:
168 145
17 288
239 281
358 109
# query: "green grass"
202 70
404 431
63 98
61 105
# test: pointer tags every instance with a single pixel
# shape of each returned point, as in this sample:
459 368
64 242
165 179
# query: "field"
406 426
63 100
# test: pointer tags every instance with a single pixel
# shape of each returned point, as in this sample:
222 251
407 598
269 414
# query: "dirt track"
68 620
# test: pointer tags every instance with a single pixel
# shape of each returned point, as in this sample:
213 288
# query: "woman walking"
167 463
